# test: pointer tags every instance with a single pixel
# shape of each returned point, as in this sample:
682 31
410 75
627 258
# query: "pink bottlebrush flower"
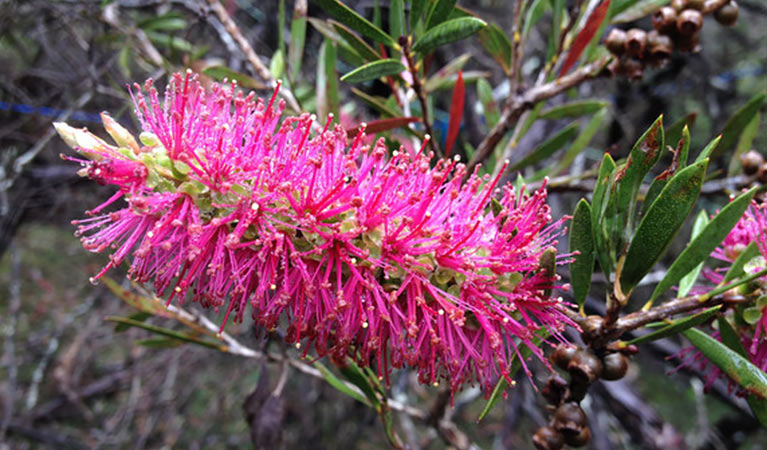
385 259
752 227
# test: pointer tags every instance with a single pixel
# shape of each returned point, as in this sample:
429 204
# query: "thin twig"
419 93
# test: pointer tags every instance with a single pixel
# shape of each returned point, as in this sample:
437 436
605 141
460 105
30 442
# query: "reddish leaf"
456 113
585 35
377 126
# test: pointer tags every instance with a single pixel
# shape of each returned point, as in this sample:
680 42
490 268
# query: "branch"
250 54
519 103
419 93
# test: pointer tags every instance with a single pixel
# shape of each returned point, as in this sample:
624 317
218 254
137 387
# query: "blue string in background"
49 112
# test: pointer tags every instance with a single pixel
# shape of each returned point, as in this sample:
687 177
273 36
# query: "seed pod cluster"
675 27
753 163
569 423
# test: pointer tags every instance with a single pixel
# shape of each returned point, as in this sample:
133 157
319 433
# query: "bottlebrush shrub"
385 259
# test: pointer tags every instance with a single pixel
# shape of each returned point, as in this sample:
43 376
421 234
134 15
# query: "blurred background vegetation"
69 380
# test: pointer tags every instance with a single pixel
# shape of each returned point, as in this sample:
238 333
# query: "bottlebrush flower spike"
388 260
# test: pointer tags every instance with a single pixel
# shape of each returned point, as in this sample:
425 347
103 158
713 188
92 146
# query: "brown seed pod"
616 41
577 391
761 174
585 367
664 19
679 5
659 47
751 160
632 69
615 366
689 44
580 439
727 15
696 4
562 355
547 438
592 326
689 22
636 41
569 419
554 390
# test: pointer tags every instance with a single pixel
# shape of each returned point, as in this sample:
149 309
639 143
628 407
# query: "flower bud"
727 15
570 420
121 136
562 355
679 5
761 174
615 366
636 41
616 41
696 4
664 19
547 438
555 389
659 46
585 367
751 160
580 439
689 22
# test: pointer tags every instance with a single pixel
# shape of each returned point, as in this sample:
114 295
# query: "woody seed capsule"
751 160
679 5
664 19
659 46
696 4
585 367
615 366
616 41
636 41
562 355
689 22
580 439
547 438
727 15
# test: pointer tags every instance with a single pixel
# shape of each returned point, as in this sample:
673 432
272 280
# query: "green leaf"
547 148
166 22
490 110
677 326
450 69
355 42
277 64
706 152
280 25
160 342
580 142
396 19
416 12
735 125
557 14
164 332
663 220
170 41
138 317
534 14
600 201
679 161
516 364
220 73
351 19
628 179
336 382
327 81
358 378
635 10
736 269
446 32
297 41
745 143
582 241
738 368
674 131
730 339
687 282
706 242
374 70
439 12
496 44
573 109
377 103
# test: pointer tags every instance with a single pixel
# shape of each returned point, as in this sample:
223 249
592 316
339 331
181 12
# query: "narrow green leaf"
547 148
661 223
684 151
164 332
534 14
165 22
220 73
600 200
351 19
745 143
280 25
580 142
706 152
635 10
490 110
374 70
396 19
377 103
170 41
674 131
735 125
416 12
687 282
357 43
447 71
736 269
357 377
297 40
327 81
706 242
160 342
738 368
138 317
446 32
677 326
336 382
582 241
496 43
523 353
439 12
557 15
573 109
277 64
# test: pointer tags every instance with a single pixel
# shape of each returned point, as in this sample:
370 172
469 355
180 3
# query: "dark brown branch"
420 94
